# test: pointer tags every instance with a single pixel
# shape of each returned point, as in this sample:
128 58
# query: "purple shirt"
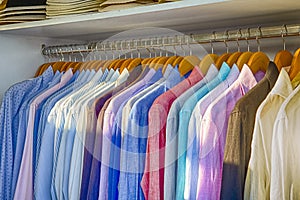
213 135
109 118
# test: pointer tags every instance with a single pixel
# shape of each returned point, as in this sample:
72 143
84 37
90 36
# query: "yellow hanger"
134 63
160 63
187 64
170 61
177 61
125 64
295 66
283 58
259 60
223 58
207 61
243 59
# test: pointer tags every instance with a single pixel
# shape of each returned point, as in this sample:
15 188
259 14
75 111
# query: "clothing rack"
175 40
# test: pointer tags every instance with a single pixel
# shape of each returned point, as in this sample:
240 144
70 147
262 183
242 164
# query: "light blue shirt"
172 134
43 174
184 118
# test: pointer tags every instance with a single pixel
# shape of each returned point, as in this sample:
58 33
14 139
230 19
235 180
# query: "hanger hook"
137 48
189 43
211 41
282 34
180 43
225 41
174 45
81 54
239 35
258 36
247 37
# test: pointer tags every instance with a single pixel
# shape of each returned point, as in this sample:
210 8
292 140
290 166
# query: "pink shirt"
24 188
213 136
153 178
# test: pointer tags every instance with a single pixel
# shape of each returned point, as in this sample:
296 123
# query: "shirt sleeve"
256 184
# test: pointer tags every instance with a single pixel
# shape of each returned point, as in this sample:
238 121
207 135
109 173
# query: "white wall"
20 57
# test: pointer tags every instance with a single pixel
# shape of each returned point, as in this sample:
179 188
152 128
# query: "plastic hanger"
295 66
283 58
208 59
259 60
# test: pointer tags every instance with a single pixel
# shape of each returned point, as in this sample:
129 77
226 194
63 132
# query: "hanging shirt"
185 114
114 163
285 165
139 121
131 174
109 119
61 181
192 155
157 127
43 174
13 99
25 189
239 136
85 116
21 131
91 129
213 135
258 177
94 183
177 144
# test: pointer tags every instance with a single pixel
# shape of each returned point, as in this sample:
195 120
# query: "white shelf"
184 16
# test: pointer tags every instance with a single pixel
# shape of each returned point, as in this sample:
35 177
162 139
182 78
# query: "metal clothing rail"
175 40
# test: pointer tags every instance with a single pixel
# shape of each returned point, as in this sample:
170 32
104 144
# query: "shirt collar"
174 77
296 81
211 73
283 86
246 79
193 77
168 71
47 75
149 75
233 75
224 71
123 77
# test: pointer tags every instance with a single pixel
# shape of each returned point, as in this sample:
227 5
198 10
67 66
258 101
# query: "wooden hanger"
187 64
170 61
283 58
160 63
125 64
223 58
134 63
243 59
233 58
258 61
295 66
207 61
177 61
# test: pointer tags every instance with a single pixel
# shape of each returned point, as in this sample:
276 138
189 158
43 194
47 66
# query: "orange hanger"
177 61
283 58
125 64
107 64
207 61
187 64
160 63
170 61
258 61
295 66
134 63
243 59
119 64
223 58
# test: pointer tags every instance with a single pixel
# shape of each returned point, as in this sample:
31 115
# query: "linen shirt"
185 115
177 144
194 132
213 135
61 182
139 125
85 116
91 130
239 136
26 171
285 182
109 118
157 128
13 99
46 159
94 183
258 177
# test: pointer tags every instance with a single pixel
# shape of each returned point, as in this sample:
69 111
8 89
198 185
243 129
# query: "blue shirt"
14 97
20 125
135 140
185 114
45 161
116 136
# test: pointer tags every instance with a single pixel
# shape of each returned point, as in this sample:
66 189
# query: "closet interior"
179 38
